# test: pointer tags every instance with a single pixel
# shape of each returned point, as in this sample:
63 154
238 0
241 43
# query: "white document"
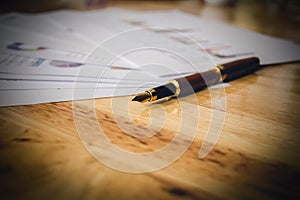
80 25
27 97
69 55
38 24
14 34
41 85
156 63
223 42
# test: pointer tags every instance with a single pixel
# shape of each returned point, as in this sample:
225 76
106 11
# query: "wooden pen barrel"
196 82
239 68
229 71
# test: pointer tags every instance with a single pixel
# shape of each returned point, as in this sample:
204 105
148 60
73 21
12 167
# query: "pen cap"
239 68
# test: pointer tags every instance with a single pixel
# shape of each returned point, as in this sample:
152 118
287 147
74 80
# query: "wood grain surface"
256 157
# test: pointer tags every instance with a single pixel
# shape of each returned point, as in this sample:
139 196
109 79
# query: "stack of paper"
68 55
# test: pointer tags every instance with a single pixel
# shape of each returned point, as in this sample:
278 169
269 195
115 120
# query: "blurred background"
45 5
280 18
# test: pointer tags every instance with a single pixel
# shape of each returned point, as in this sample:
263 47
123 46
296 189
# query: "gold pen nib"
142 97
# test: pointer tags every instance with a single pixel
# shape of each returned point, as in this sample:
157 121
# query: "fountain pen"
193 83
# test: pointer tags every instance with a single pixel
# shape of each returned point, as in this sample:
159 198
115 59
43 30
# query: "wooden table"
256 157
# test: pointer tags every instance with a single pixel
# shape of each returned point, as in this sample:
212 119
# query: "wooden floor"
256 157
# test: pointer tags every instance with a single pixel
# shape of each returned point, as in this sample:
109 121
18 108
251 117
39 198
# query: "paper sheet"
68 55
226 42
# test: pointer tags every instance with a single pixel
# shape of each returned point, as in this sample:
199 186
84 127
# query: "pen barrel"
229 71
239 68
196 82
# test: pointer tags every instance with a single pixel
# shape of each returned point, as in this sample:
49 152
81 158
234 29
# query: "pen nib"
142 97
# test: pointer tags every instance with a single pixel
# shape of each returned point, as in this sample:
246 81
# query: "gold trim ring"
153 95
221 68
176 84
